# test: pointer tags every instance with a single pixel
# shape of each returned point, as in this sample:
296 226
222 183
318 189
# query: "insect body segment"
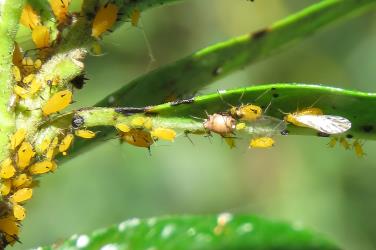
220 124
60 9
84 133
248 112
138 138
163 134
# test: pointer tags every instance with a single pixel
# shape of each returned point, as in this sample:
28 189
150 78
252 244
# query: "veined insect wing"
265 125
328 124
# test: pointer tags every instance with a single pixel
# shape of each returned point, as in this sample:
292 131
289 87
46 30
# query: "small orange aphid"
7 170
60 9
358 148
84 133
5 187
19 212
163 134
240 126
9 229
29 17
17 138
34 86
45 144
40 167
21 195
123 127
57 102
19 180
51 149
37 64
135 17
21 92
24 155
220 124
345 144
138 138
140 122
41 36
16 73
261 142
104 19
65 143
230 141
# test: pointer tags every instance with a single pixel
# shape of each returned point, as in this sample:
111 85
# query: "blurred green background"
299 180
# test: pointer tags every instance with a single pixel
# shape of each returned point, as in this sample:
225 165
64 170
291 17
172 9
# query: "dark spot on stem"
322 134
184 101
349 136
127 111
259 34
367 128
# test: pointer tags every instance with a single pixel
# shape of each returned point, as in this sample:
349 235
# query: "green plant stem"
10 11
219 60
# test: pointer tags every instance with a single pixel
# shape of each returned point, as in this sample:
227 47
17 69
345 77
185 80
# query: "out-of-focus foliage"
300 179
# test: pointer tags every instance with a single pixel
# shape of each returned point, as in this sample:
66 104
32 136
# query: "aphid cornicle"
104 19
261 142
57 102
220 124
315 119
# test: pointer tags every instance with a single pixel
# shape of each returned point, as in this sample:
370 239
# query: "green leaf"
224 231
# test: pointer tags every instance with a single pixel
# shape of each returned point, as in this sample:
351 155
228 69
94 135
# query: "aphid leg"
186 134
223 100
148 46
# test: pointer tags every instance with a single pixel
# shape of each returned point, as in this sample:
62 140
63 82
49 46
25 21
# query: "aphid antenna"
223 100
262 94
198 118
285 113
186 134
267 107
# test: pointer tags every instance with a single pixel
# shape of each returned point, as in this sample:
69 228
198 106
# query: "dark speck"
367 128
322 134
77 121
259 34
349 136
217 71
284 132
129 110
275 95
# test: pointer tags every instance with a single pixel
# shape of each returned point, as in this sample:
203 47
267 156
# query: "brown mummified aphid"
220 124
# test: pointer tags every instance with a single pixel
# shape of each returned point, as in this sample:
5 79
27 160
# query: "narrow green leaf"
222 232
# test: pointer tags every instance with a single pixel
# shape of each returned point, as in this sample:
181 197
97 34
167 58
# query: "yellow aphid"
65 143
40 167
96 49
5 187
16 73
60 9
17 138
37 64
138 121
240 126
57 102
19 212
138 138
29 17
27 183
104 19
135 17
28 78
7 170
54 166
248 112
345 144
21 92
148 124
358 148
9 229
22 195
24 155
27 61
45 144
41 37
261 142
84 133
34 86
163 134
19 180
333 142
123 127
230 142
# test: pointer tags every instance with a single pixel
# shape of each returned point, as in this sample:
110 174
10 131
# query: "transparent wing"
328 124
265 125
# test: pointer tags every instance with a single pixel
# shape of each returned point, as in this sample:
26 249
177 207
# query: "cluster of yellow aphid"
28 157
